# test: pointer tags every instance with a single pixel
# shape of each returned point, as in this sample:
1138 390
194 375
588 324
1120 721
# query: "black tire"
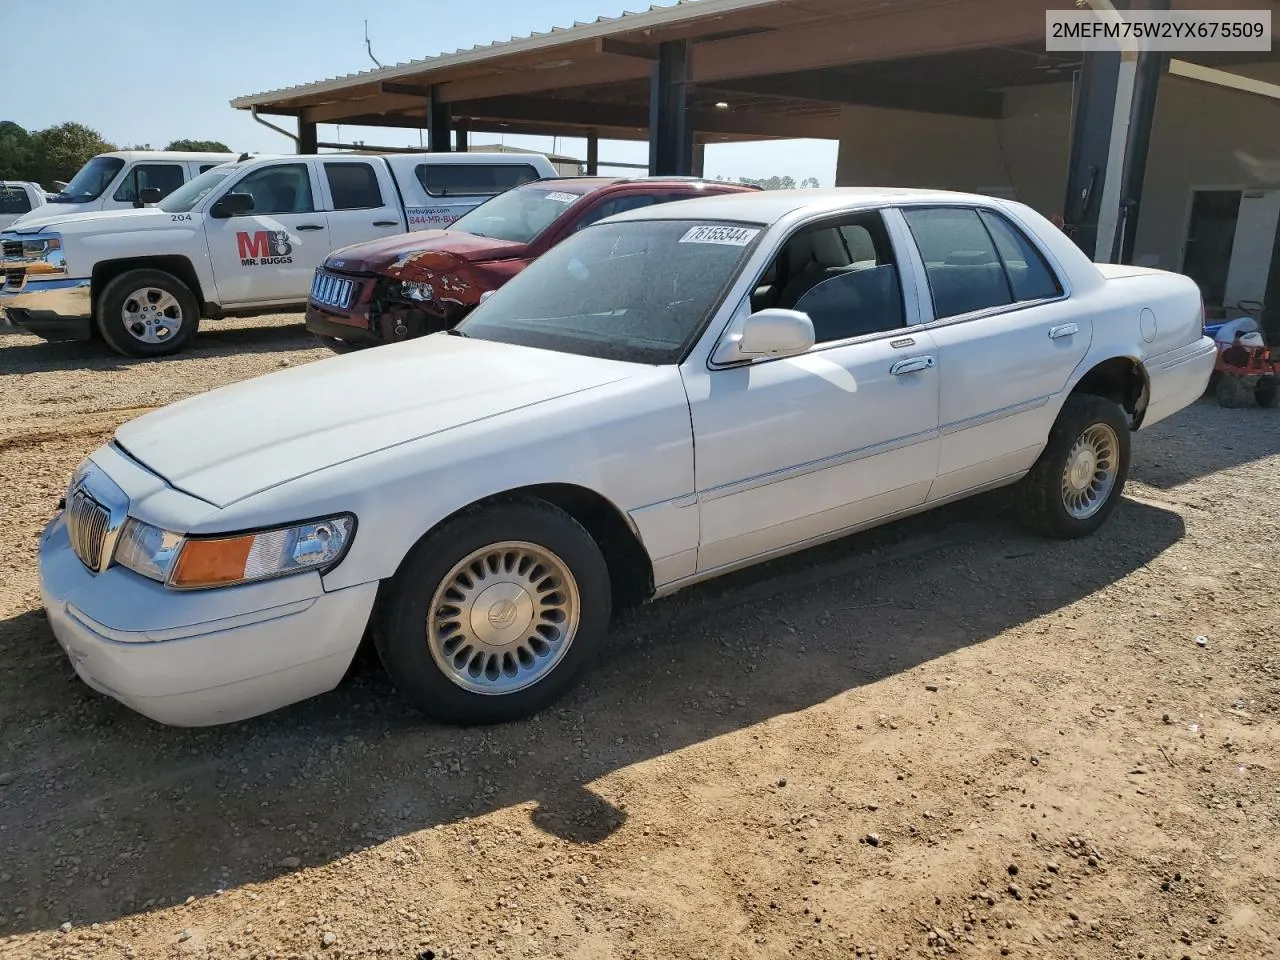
1267 392
111 305
402 640
1233 391
1039 498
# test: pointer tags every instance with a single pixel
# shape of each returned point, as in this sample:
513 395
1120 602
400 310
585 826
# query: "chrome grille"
87 522
330 291
11 248
13 277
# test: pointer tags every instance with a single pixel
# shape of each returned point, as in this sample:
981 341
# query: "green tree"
15 152
199 146
58 152
772 183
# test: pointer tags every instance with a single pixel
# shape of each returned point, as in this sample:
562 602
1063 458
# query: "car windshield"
636 290
193 191
94 177
518 215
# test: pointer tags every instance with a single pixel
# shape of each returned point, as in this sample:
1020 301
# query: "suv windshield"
518 215
93 178
638 290
193 191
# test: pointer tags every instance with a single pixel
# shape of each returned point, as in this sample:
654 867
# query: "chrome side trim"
675 585
1175 358
813 466
992 416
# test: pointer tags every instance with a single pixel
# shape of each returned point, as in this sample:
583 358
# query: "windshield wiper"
455 332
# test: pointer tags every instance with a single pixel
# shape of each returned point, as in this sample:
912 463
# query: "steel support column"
438 125
306 137
670 134
1151 64
1090 146
593 154
462 135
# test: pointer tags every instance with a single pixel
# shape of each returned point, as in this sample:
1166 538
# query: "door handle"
912 365
1063 330
386 223
311 226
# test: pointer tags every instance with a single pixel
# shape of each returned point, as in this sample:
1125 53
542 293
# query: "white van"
115 181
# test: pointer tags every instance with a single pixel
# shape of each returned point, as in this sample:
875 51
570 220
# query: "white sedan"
669 395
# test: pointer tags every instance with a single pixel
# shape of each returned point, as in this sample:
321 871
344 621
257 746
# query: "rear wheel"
493 616
1080 476
147 313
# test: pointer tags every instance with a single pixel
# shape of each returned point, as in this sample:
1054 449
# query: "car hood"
239 440
390 253
49 217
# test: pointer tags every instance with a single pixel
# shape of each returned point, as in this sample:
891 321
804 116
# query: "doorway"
1210 240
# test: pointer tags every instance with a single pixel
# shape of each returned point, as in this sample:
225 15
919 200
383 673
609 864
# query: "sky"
151 71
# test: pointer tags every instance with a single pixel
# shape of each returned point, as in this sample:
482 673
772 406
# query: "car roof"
585 185
168 155
770 206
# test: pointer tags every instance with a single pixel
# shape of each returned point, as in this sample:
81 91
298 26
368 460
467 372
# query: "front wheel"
1080 476
493 616
147 313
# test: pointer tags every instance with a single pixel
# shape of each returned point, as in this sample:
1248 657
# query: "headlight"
39 246
420 292
192 563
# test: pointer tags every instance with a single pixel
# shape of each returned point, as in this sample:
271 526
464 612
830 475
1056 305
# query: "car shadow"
108 814
1222 438
24 354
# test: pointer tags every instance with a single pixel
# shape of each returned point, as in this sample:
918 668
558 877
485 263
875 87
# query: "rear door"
360 201
270 253
1008 338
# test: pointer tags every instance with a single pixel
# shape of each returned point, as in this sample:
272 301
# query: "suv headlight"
193 563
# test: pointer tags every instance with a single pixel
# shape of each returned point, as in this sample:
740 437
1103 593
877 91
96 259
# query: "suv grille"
87 522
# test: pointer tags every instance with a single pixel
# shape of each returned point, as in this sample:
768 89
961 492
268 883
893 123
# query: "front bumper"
352 329
58 309
202 658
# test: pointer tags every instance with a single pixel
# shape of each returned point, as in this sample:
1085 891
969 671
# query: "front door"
1007 342
792 449
270 253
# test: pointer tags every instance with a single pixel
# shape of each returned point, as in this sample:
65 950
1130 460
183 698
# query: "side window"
1029 275
473 179
964 269
14 200
207 166
354 186
843 275
167 177
631 201
284 188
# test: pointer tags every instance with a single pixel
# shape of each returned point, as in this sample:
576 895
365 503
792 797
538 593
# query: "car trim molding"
992 416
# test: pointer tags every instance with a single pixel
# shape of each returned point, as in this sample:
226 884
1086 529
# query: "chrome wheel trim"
152 315
1090 472
503 618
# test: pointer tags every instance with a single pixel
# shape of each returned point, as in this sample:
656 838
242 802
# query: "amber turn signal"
208 563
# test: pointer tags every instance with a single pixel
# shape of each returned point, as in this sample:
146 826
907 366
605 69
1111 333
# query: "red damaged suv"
417 283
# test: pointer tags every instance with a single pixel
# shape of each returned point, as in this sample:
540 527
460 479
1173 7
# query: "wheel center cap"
1083 466
501 614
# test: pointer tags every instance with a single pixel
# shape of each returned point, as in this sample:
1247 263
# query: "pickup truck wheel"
493 616
147 313
1078 480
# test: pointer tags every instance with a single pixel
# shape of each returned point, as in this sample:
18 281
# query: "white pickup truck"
117 180
243 237
18 198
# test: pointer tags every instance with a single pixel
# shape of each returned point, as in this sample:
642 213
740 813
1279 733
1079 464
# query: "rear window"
472 179
14 200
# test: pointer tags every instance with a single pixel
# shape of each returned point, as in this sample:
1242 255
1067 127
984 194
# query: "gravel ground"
943 737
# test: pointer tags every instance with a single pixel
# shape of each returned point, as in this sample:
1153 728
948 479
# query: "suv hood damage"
394 256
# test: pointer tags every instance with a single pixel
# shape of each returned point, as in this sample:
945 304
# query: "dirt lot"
946 737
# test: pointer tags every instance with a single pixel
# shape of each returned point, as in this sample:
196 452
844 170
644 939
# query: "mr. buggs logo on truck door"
264 248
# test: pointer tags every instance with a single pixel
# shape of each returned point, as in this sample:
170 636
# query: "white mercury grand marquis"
668 395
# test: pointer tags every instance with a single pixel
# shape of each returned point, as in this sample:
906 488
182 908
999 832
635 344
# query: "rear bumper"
1178 378
53 309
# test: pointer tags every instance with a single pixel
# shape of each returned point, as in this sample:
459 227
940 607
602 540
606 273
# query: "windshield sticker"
728 236
432 216
562 197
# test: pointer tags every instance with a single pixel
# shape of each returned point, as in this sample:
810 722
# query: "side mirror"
486 295
150 195
232 205
769 333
